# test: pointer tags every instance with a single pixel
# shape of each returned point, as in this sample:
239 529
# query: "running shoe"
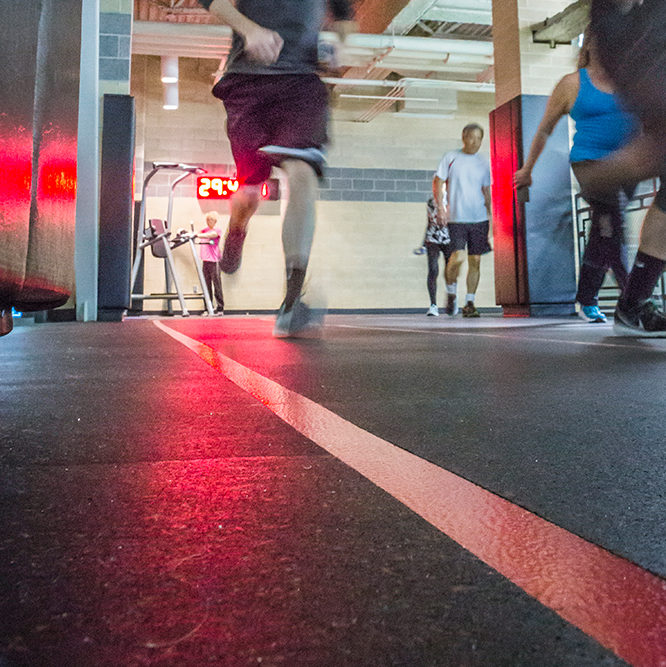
591 314
233 250
470 310
297 321
433 311
451 304
643 321
313 156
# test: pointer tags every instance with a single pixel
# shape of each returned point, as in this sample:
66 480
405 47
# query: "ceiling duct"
420 100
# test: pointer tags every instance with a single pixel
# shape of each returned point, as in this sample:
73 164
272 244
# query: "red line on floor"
609 598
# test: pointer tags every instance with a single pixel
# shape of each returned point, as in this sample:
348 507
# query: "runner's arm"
438 187
559 104
261 44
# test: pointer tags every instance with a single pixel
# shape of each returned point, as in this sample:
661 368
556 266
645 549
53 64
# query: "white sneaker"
433 311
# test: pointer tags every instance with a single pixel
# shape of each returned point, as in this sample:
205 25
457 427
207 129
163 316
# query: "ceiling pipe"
148 37
418 44
473 86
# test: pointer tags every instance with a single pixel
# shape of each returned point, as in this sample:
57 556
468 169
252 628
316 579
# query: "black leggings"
211 271
433 250
606 248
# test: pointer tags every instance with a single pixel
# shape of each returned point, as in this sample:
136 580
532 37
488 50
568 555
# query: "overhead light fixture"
169 69
170 96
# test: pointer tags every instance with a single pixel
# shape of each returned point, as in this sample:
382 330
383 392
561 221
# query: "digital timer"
223 187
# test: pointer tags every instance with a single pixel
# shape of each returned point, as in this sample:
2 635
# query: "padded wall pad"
49 275
18 54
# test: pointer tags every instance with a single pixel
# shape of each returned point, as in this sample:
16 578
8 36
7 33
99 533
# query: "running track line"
609 598
513 338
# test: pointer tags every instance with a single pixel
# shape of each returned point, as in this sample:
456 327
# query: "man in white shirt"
464 177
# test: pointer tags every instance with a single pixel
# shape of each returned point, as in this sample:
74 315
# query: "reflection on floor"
401 490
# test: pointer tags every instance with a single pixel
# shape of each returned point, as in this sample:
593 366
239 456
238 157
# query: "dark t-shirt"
298 22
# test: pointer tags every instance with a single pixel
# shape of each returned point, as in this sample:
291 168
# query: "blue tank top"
602 124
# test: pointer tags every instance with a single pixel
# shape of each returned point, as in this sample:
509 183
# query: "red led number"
222 188
216 188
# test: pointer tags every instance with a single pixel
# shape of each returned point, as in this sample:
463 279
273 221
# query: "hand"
262 45
345 28
522 178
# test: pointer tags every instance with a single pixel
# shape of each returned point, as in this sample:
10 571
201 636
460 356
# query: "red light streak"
609 598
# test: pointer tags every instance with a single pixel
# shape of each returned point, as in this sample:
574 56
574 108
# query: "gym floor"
399 491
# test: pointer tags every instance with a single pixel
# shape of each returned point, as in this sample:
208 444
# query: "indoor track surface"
399 491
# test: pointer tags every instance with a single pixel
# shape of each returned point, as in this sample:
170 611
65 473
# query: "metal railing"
634 214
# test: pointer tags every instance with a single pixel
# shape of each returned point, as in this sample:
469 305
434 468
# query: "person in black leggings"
436 241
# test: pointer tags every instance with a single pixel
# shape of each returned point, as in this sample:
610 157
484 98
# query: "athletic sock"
295 279
452 288
470 298
642 279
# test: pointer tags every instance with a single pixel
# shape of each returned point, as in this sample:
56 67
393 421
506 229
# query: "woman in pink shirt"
210 257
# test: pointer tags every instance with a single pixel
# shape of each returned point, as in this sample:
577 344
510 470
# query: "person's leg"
243 206
452 270
478 245
451 273
473 276
246 99
433 271
635 314
617 245
298 226
217 287
207 268
473 273
594 263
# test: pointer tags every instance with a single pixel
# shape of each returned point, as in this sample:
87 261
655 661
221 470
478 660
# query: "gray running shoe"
233 251
297 321
643 321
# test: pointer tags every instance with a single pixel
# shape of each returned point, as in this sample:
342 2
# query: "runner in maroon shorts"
277 111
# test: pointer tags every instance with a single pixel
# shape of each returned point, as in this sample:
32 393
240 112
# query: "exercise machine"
157 235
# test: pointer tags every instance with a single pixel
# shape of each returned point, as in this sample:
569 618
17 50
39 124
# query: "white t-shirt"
465 175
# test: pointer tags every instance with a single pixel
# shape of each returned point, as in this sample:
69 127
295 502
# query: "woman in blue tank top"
602 127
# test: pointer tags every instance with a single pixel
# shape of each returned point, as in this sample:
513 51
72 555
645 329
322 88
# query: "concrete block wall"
542 66
115 45
371 212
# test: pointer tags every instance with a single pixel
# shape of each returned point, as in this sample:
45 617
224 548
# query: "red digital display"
223 187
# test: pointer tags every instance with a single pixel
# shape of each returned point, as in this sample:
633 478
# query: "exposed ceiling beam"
374 16
563 27
458 15
453 11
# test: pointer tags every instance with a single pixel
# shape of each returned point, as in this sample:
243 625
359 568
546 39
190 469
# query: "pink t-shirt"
210 252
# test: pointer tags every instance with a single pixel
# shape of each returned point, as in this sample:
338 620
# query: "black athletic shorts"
470 235
288 110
